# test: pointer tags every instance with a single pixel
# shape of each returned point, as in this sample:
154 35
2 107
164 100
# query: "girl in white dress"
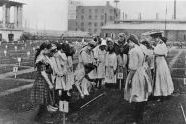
138 85
100 56
110 63
163 82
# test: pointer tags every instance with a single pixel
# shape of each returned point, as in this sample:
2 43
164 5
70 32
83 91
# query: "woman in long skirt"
69 51
163 82
100 55
40 93
110 63
138 86
59 61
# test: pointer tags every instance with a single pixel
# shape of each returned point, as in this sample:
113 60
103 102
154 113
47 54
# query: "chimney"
174 9
125 16
107 3
139 16
157 16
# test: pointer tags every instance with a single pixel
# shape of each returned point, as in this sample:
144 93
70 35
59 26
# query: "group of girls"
137 66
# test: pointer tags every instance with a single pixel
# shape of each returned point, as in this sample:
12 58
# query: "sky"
52 14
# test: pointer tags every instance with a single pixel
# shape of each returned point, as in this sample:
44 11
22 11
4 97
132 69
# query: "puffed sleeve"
95 50
85 58
161 49
133 60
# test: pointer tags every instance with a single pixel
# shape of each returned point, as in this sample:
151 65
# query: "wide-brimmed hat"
153 34
133 38
121 35
92 43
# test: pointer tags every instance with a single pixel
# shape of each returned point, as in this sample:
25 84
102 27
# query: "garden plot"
11 83
171 55
16 102
5 69
30 75
181 61
178 73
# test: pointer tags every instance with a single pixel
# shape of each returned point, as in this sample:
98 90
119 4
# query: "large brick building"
92 18
174 30
72 5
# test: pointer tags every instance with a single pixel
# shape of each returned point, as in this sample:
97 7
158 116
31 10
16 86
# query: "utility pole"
166 21
116 9
174 9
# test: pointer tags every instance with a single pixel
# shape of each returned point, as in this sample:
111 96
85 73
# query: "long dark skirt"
40 93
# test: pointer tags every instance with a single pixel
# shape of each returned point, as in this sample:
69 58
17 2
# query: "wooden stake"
120 84
64 119
15 75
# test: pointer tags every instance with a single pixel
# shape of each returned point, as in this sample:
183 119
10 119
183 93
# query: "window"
95 30
82 24
111 18
96 10
90 10
90 17
101 24
95 24
96 17
82 29
89 24
82 17
89 30
102 10
82 10
111 10
106 34
102 17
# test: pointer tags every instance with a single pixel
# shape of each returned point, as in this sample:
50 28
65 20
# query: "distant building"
72 14
10 31
92 18
174 30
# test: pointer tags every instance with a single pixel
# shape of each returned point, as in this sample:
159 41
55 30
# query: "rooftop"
76 34
10 2
148 25
151 21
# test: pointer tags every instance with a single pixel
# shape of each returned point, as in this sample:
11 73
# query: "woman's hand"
51 86
130 84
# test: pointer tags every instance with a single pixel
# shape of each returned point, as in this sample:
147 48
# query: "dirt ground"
110 108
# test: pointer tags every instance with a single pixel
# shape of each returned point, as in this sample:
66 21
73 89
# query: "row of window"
96 17
95 10
89 30
90 24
